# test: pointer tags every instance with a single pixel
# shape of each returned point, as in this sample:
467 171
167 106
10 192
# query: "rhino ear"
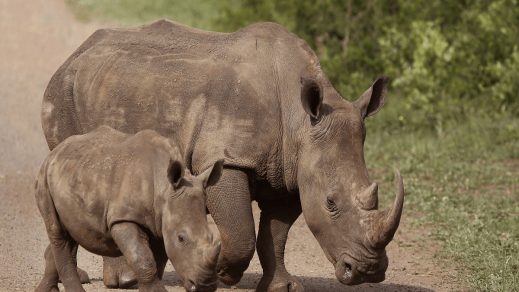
371 101
210 176
311 97
175 173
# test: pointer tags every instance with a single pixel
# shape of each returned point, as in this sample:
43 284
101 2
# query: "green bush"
446 59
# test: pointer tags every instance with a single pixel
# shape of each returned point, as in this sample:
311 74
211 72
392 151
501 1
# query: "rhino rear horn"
368 199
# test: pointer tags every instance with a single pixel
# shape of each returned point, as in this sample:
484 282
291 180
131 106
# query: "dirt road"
37 36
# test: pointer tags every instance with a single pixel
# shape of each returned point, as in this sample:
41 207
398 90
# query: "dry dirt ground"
36 37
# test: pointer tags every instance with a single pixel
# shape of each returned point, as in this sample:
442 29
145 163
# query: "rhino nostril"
345 271
347 267
191 287
348 274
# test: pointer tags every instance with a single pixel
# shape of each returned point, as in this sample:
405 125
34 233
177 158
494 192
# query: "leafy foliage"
445 57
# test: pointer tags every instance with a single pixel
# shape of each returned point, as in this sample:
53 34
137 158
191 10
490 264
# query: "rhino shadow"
311 284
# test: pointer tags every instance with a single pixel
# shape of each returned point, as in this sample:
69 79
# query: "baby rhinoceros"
115 193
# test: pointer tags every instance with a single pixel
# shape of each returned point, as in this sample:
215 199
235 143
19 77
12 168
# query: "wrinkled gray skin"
115 193
258 98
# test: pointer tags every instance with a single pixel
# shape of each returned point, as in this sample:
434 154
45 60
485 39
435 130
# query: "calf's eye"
330 204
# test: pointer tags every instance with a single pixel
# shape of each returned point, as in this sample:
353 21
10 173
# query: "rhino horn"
368 199
387 221
212 253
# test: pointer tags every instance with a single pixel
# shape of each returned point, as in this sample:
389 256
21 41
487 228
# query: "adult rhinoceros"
258 98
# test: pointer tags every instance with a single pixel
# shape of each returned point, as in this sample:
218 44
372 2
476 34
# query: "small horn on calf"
212 253
368 199
387 222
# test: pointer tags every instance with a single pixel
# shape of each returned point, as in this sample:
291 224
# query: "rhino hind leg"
276 219
50 276
63 248
49 283
83 276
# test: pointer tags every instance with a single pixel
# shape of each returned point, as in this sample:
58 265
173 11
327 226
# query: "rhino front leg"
229 203
276 219
117 274
161 258
134 245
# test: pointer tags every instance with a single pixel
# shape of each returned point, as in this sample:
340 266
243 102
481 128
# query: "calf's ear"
211 175
175 172
371 101
311 97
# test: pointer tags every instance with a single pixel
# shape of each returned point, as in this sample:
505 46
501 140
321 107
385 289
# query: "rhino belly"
87 229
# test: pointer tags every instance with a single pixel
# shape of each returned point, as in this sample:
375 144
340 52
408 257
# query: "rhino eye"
182 237
330 204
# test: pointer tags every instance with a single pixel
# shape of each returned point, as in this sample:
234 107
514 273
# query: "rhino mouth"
348 271
191 286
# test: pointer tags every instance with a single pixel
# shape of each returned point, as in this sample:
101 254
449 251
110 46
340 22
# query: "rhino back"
213 93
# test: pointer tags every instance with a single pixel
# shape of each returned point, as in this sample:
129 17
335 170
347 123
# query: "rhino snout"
349 271
191 286
205 279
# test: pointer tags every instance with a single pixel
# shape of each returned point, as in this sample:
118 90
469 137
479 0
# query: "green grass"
461 175
465 183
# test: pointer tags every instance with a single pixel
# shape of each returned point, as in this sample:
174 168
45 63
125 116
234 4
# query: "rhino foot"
83 276
156 286
117 274
229 277
281 283
45 286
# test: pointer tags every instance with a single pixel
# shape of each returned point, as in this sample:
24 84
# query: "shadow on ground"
312 284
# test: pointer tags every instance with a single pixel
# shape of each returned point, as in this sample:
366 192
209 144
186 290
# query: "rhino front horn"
212 253
384 230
